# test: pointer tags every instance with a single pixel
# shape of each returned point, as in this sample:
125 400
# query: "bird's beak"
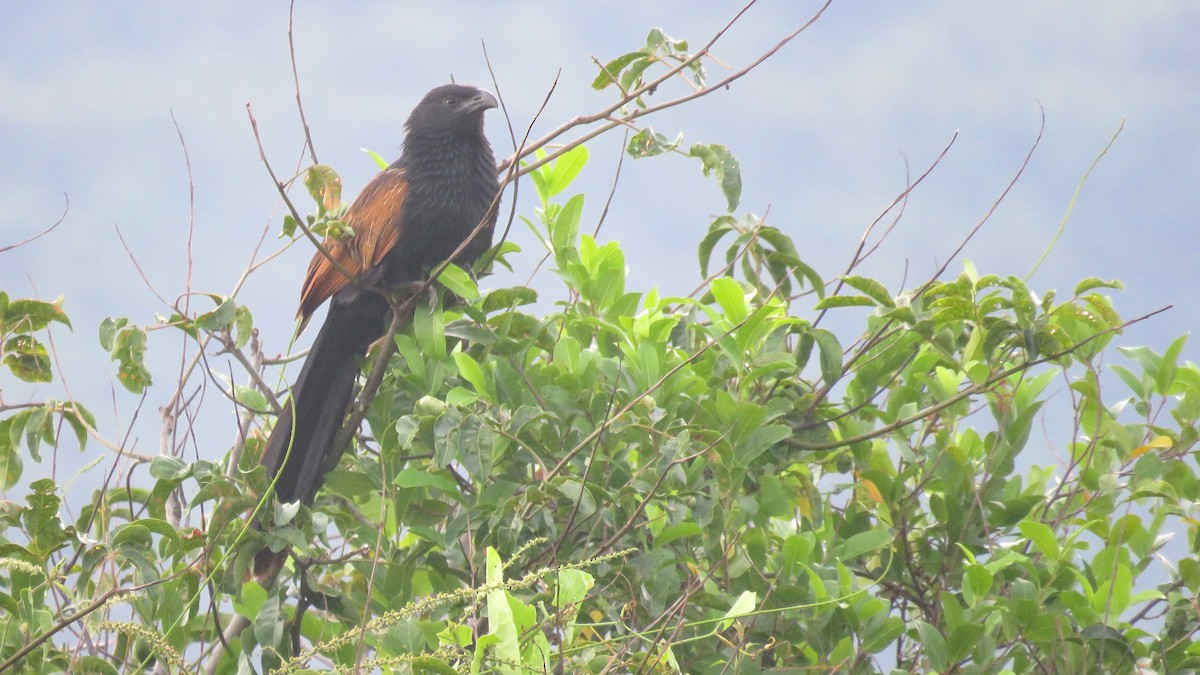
483 100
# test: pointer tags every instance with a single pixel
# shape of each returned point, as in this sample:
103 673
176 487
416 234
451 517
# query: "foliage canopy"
624 482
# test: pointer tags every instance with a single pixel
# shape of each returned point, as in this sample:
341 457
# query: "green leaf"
1092 283
673 532
871 288
890 629
571 590
731 297
429 329
1189 572
420 478
1112 596
1042 537
508 298
564 230
41 521
648 143
745 604
164 467
108 329
27 316
933 644
774 498
719 162
566 169
269 628
759 441
27 359
131 373
830 353
219 318
243 324
862 543
38 427
471 371
501 622
610 73
1169 366
843 301
351 483
471 332
325 187
11 466
577 493
573 587
720 227
797 551
379 161
459 282
92 665
250 397
962 640
977 581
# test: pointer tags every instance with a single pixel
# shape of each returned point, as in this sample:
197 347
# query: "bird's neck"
439 158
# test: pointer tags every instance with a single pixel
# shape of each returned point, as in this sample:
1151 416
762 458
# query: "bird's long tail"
320 398
316 412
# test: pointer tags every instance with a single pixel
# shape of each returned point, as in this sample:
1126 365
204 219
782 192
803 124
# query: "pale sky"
822 132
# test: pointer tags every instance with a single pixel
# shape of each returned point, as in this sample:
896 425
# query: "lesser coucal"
410 218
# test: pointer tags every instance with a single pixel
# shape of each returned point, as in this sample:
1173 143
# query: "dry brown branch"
48 230
308 142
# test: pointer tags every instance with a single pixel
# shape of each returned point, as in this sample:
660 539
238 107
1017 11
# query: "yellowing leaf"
872 490
1158 442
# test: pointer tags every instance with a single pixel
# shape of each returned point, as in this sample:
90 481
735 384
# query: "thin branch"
637 512
995 204
613 190
170 413
900 199
587 469
634 400
299 220
1075 198
308 142
252 370
968 392
246 417
606 113
48 230
138 267
96 604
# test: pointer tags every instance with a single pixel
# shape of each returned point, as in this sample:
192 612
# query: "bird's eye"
450 101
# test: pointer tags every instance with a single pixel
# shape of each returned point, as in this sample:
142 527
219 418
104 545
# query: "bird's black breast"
448 196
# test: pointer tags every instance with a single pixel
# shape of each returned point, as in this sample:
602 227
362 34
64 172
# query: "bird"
406 221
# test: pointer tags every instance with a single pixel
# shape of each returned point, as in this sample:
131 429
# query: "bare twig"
48 230
899 200
613 190
137 266
308 142
299 220
1062 226
246 417
606 114
253 368
987 216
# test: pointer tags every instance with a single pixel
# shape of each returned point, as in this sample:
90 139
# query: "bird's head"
450 109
